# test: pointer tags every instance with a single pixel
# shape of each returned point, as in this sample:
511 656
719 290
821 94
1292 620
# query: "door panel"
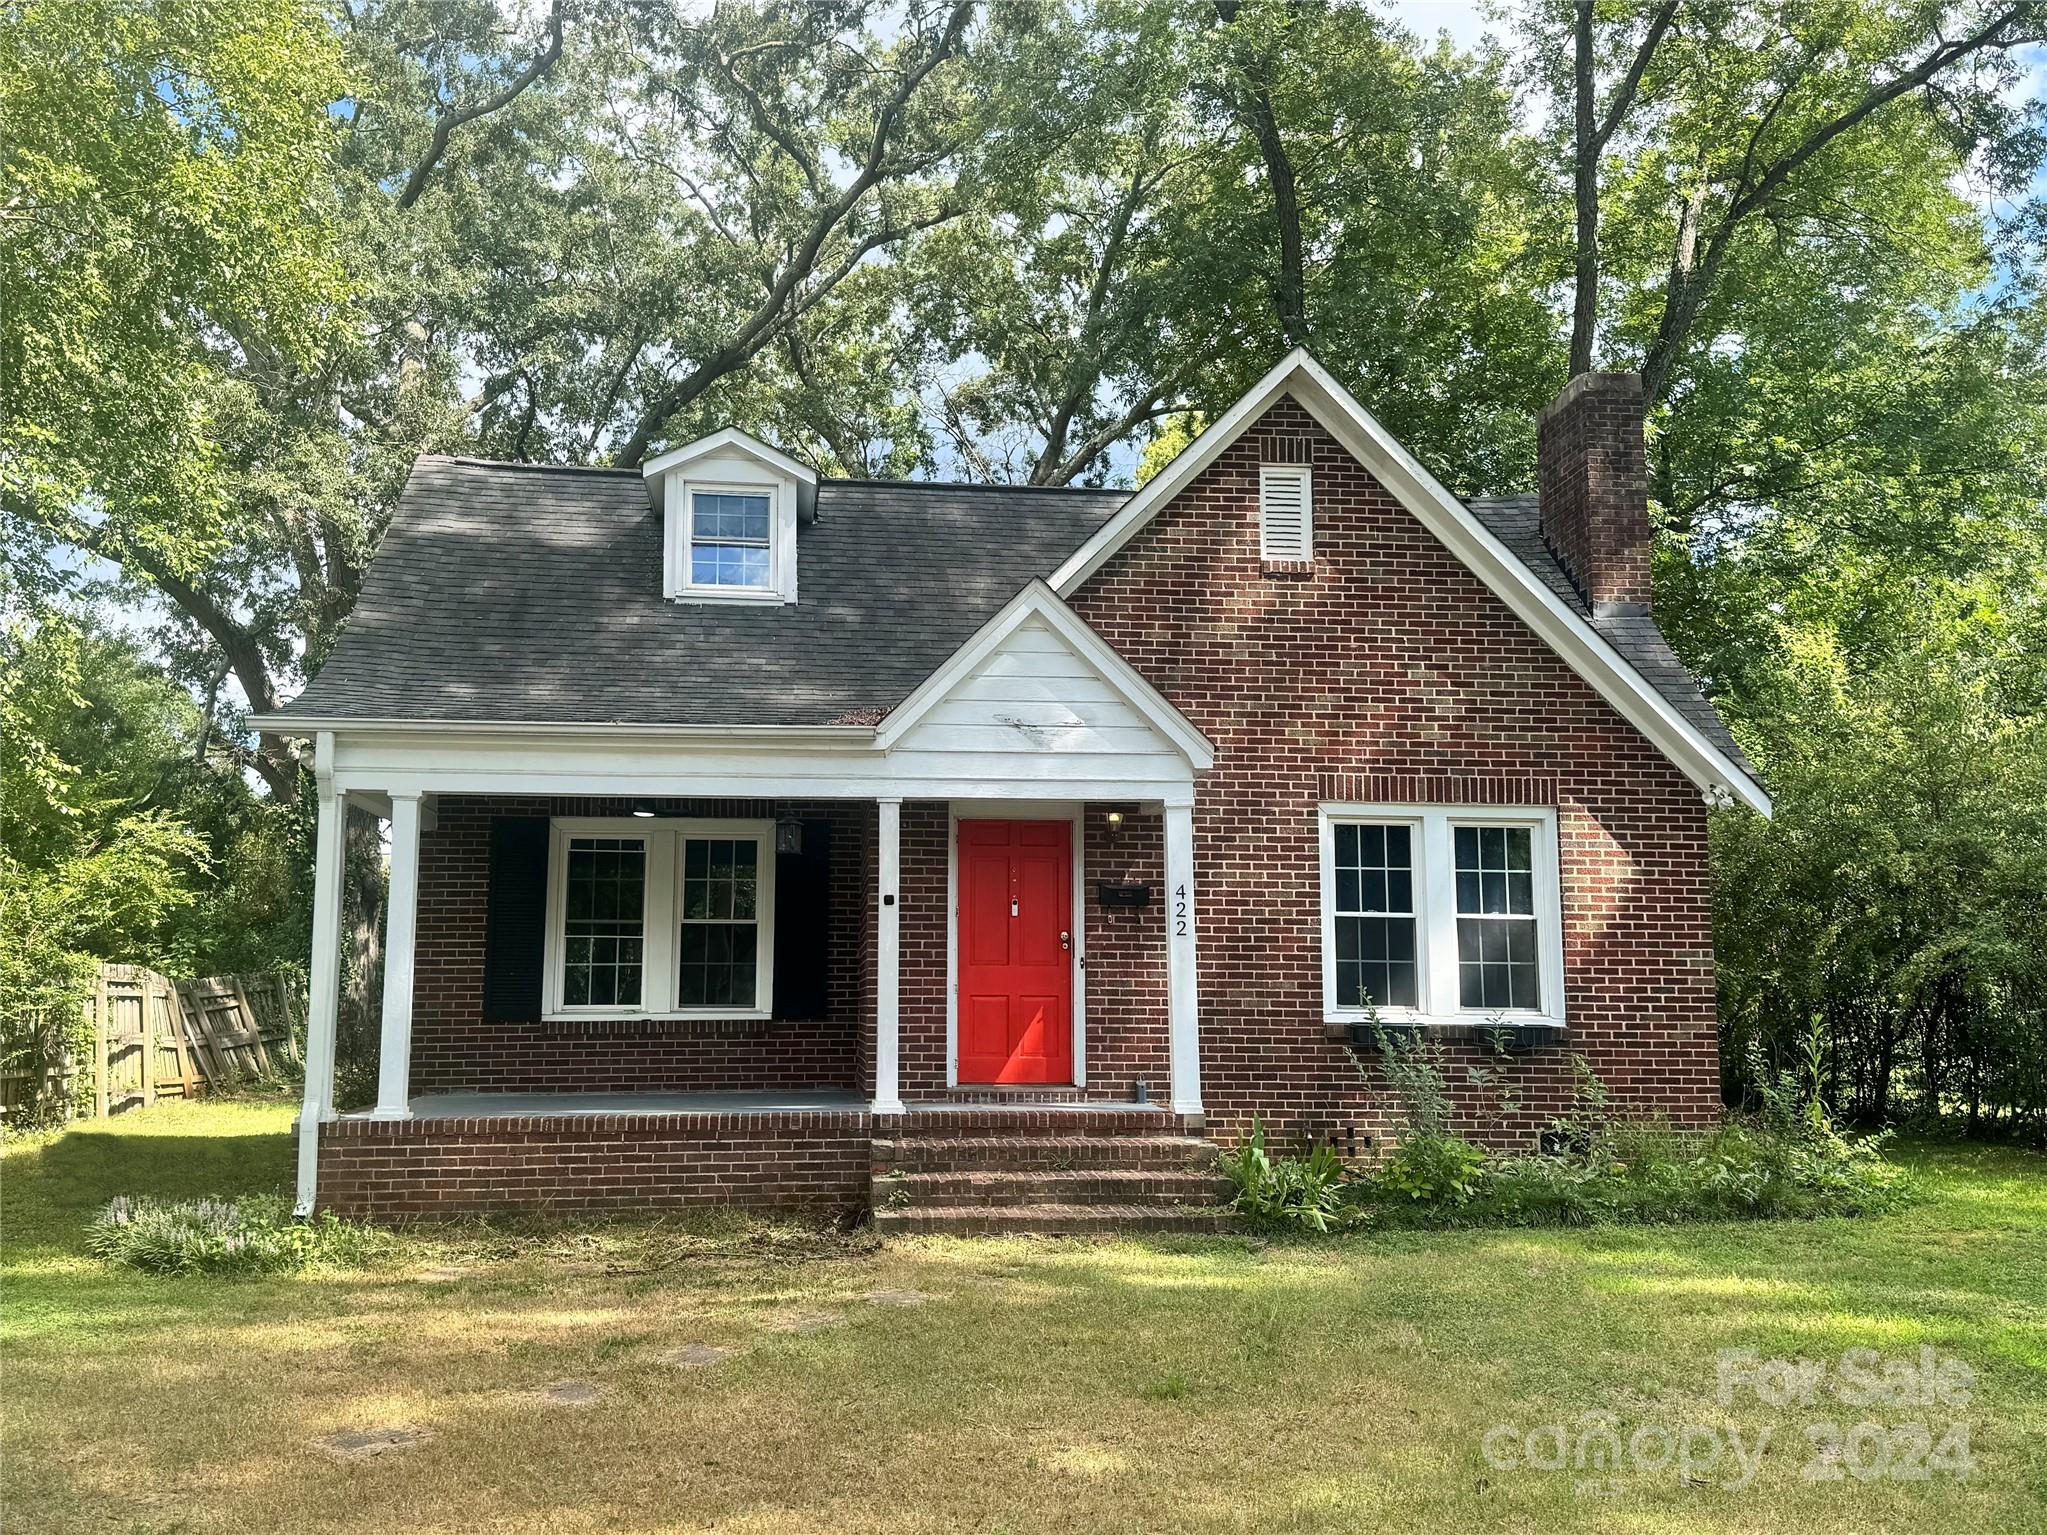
1015 951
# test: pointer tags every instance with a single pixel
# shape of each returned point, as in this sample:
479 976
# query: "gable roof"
1671 720
511 594
1516 521
1039 601
515 594
730 439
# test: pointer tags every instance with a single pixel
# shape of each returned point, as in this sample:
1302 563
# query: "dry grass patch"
1184 1385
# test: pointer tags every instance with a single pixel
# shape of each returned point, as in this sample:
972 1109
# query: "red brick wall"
1388 658
436 1168
454 1050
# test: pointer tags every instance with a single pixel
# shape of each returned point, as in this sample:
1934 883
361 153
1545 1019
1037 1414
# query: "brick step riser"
1029 1221
1050 1188
1164 1155
1050 1124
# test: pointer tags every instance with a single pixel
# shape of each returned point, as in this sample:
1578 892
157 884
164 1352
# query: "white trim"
323 990
793 737
1574 639
1304 475
729 439
401 928
778 476
1183 987
677 540
1074 815
663 838
888 917
1040 601
1435 907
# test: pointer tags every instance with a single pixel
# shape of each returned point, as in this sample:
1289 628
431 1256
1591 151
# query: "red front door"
1016 951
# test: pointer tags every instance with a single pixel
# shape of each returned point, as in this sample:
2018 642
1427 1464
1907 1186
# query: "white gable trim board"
1301 378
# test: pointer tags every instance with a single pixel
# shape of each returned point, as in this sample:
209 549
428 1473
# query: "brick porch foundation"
428 1169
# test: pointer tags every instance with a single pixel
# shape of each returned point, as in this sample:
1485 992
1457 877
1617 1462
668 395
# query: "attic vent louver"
1286 512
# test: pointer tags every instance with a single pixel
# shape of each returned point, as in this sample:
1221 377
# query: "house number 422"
1180 912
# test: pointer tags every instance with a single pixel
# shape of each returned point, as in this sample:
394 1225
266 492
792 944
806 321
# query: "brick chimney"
1595 489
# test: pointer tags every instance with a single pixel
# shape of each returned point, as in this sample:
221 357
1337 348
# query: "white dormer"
729 508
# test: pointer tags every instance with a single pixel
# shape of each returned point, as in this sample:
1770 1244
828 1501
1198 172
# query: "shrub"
1288 1191
1441 1169
256 1234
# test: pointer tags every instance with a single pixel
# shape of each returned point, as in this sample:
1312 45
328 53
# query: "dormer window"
730 537
730 508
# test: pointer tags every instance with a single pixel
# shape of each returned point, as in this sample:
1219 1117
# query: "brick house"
982 852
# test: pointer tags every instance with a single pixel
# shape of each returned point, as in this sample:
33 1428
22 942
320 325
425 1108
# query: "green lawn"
1146 1385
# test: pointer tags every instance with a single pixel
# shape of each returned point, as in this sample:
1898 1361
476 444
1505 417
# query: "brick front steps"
970 1171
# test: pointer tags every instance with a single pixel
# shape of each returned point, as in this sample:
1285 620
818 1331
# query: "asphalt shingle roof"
510 592
507 592
1516 521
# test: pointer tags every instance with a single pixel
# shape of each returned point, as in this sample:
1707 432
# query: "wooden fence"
153 1038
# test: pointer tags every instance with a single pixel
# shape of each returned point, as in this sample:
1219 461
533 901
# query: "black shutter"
515 921
803 924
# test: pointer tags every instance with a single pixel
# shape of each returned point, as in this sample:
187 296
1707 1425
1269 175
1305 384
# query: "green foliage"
1909 842
117 843
1302 1192
1436 1169
253 1234
168 170
1789 1162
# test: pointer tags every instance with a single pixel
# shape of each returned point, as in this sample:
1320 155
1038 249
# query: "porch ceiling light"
644 809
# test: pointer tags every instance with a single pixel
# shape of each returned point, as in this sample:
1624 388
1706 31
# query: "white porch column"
323 998
401 922
1183 1002
888 958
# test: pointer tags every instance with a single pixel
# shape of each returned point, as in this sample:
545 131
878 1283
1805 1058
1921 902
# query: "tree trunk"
1289 285
1585 298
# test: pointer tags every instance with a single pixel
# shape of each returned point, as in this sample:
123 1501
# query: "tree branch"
1687 288
445 123
774 309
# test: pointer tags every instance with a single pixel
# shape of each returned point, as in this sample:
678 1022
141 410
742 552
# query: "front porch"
990 891
1025 1164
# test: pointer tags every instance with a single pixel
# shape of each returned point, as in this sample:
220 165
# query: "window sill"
1287 570
659 1025
742 594
1352 1028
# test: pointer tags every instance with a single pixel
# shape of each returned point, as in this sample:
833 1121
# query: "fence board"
155 1038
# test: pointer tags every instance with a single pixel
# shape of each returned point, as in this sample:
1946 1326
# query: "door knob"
1066 940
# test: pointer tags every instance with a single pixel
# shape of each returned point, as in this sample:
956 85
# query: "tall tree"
1759 113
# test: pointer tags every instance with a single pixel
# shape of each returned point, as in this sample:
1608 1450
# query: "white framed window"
730 537
1286 512
1441 914
660 918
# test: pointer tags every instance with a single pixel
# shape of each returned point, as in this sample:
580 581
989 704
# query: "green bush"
256 1234
1648 1173
1307 1192
1441 1169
